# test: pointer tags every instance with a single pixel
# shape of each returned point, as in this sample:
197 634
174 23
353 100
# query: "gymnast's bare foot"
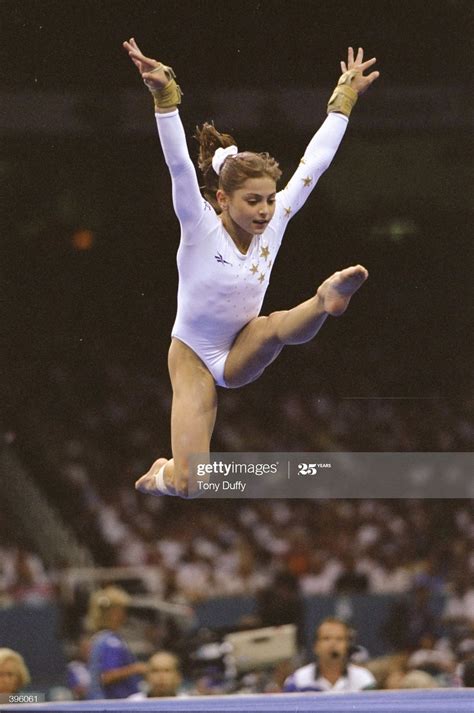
336 292
148 483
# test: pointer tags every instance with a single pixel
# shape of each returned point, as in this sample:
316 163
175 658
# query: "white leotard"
220 289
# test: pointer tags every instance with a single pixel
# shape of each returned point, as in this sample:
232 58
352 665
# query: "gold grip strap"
343 98
168 96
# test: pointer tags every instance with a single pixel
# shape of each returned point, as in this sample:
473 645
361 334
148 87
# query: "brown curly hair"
235 169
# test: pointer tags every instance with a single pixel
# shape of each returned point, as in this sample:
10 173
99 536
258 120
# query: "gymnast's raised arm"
188 202
324 144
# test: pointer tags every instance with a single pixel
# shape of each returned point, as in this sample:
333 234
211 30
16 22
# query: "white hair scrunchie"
220 156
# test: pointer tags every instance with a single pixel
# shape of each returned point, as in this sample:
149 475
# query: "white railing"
91 578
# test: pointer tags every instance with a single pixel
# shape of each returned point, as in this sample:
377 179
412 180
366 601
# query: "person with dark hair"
331 670
229 242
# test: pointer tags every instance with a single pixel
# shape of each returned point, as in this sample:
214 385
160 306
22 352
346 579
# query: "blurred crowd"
95 428
92 429
24 578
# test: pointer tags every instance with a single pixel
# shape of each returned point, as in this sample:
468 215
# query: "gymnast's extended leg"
193 416
260 342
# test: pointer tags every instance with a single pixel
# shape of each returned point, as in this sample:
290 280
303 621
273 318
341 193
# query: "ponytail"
235 169
210 140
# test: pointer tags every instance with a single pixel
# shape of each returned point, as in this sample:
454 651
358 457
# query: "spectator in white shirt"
331 672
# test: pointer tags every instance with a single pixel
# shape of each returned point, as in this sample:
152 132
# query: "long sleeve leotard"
220 289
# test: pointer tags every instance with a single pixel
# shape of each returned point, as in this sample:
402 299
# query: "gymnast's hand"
146 65
359 82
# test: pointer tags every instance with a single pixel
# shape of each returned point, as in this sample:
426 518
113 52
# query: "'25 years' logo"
307 469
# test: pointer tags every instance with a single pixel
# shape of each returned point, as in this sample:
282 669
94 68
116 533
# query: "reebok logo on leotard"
221 260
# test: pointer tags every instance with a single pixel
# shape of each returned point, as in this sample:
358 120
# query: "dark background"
64 44
396 199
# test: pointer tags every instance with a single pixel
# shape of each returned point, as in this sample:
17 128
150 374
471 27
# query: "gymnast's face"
248 210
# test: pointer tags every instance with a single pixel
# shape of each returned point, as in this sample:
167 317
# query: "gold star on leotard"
264 252
287 212
307 180
302 160
254 269
262 277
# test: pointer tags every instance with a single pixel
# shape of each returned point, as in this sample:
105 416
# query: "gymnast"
229 242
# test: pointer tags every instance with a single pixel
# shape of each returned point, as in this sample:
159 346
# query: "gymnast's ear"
222 198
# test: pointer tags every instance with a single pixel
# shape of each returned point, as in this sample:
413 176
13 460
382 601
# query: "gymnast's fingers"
367 64
135 46
134 51
372 77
